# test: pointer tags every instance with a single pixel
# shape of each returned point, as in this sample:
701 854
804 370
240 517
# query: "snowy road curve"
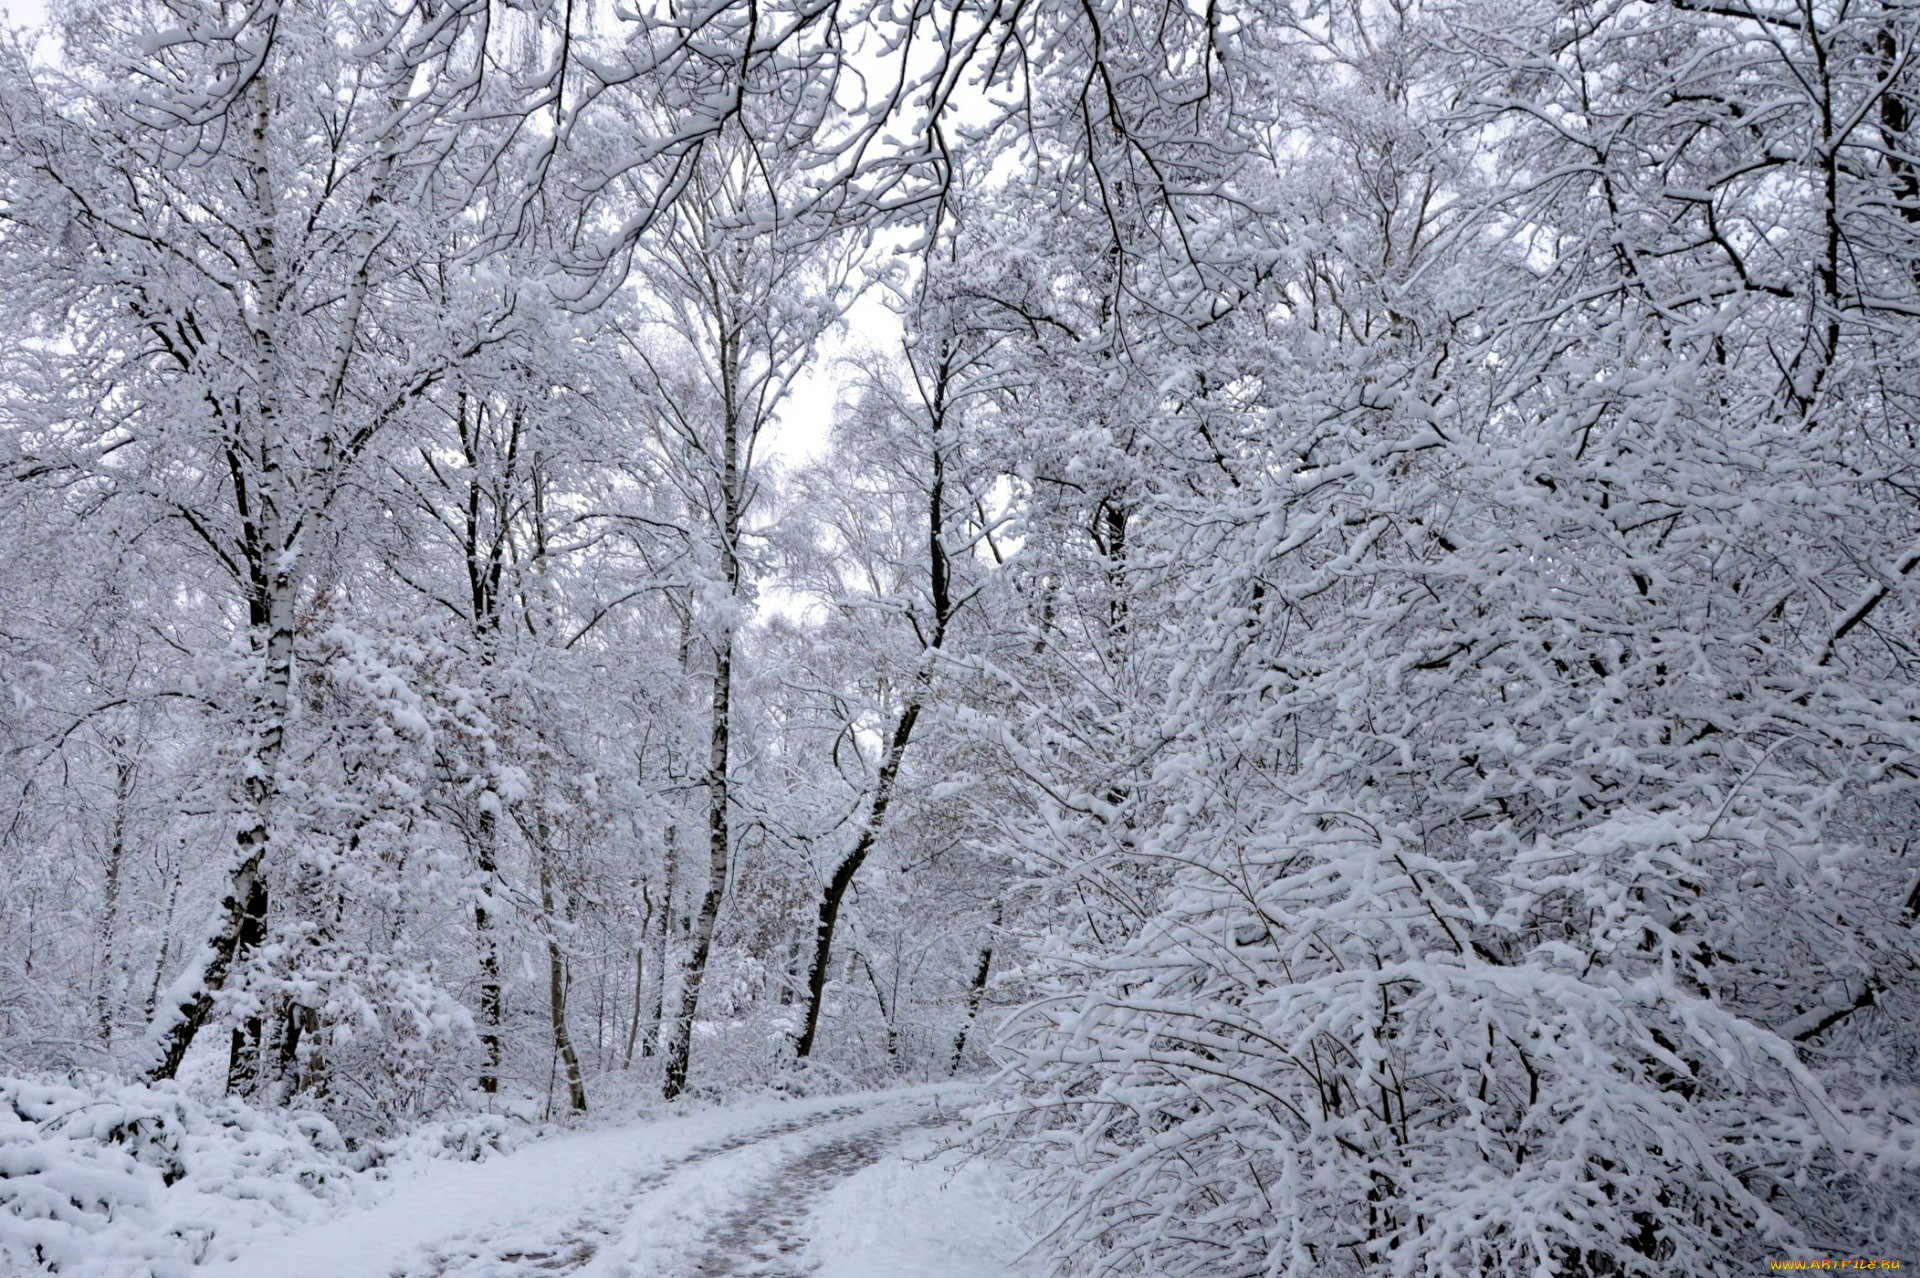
840 1188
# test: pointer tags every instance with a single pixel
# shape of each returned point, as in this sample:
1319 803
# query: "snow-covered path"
846 1187
762 1235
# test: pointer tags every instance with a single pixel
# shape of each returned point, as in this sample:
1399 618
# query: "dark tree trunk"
975 992
719 835
940 597
719 845
243 1053
837 886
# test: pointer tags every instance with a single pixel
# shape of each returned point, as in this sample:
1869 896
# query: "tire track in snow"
580 1239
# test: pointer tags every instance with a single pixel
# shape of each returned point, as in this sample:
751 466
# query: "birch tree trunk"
663 947
112 963
558 983
174 874
639 1000
487 860
485 555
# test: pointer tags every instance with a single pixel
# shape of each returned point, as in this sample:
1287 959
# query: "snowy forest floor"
840 1187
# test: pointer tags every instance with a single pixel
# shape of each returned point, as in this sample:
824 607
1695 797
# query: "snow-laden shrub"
471 1138
391 1044
1306 1064
128 1181
812 1078
739 1055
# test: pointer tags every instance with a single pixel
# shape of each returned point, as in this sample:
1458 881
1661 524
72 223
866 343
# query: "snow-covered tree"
1503 874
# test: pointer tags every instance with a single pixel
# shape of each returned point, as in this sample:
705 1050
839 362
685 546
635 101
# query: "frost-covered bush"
121 1180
